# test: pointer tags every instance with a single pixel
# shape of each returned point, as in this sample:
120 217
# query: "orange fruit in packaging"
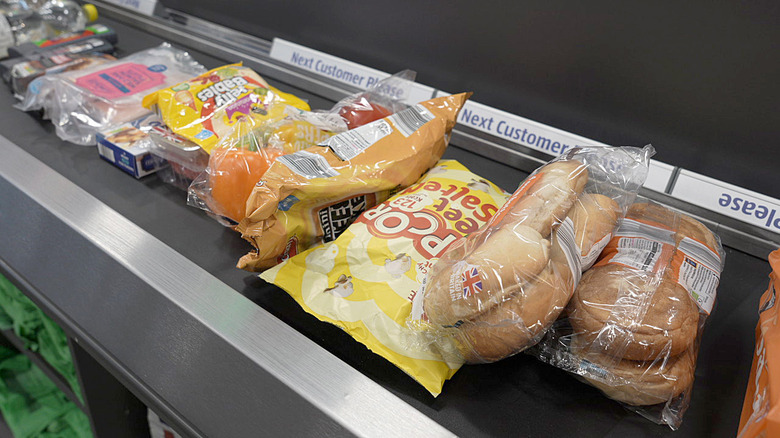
233 175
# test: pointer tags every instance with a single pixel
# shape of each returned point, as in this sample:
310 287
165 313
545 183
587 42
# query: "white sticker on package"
699 273
590 258
308 165
411 119
566 239
350 144
638 253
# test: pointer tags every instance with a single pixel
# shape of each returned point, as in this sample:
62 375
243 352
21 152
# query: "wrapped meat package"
495 292
311 196
632 328
81 103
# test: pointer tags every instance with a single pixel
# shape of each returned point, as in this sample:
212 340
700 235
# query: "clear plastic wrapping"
311 196
632 328
81 103
366 279
495 292
185 160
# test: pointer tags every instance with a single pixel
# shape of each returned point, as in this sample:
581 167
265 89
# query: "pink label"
121 80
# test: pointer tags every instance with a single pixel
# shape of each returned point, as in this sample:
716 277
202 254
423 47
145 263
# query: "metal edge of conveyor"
209 37
335 389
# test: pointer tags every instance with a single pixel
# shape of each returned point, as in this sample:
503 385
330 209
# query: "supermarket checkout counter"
147 287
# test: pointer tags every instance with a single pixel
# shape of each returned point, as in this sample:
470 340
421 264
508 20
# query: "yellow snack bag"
205 108
312 195
366 279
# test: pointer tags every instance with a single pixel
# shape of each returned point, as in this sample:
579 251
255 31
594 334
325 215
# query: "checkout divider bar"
493 133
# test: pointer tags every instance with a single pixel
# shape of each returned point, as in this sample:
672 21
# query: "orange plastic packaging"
761 409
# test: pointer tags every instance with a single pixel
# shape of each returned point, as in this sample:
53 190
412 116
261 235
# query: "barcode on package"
350 144
566 239
107 153
632 228
638 253
699 273
411 119
308 165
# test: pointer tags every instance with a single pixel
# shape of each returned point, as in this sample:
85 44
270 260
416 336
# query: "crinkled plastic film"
311 196
366 279
185 160
81 103
760 416
496 291
233 169
633 327
206 109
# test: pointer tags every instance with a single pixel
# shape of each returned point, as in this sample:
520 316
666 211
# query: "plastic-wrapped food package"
633 326
81 103
311 196
495 292
206 108
241 158
379 101
23 73
186 160
366 279
234 168
760 416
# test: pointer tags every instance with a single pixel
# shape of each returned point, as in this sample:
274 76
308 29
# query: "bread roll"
639 383
595 217
522 319
628 314
511 250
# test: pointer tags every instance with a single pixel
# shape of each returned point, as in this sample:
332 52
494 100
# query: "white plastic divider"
341 70
145 7
659 176
729 200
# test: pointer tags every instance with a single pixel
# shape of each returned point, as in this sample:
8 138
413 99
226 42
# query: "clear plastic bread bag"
496 291
81 103
633 326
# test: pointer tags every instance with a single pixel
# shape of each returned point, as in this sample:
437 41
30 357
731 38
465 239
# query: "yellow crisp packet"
365 280
312 195
205 108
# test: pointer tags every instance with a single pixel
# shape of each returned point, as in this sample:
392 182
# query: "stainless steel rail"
124 295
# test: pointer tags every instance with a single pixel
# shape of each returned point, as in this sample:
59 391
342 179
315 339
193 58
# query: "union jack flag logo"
472 283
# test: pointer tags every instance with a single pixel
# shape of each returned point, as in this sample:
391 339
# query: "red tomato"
362 112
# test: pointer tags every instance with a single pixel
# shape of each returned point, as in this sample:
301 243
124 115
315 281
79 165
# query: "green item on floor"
32 406
38 331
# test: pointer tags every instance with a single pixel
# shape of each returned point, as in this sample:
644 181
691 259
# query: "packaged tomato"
311 196
365 280
205 109
760 415
81 103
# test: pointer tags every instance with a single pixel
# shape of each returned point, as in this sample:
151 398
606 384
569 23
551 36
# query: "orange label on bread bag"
649 246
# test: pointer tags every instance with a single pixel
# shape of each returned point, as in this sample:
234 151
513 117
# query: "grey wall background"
698 79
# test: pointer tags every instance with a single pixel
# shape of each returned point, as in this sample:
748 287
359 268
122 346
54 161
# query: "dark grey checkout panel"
147 285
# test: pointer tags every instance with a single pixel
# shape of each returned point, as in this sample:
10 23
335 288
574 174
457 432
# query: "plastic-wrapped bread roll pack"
495 292
633 325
